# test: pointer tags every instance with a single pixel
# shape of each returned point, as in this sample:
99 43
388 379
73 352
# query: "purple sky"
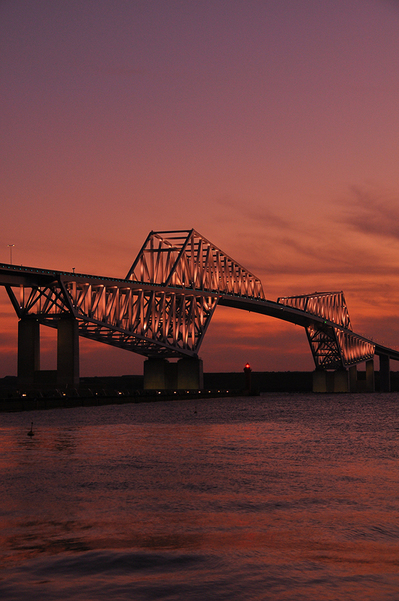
271 127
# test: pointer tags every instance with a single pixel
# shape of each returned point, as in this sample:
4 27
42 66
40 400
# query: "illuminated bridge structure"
163 308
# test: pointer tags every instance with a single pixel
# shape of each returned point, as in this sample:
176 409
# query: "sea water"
276 497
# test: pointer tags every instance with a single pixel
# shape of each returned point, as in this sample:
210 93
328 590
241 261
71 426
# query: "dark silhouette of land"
129 389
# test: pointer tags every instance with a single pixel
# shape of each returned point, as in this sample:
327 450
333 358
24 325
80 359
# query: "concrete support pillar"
370 381
190 374
28 351
385 374
353 378
341 380
320 381
67 352
156 374
327 381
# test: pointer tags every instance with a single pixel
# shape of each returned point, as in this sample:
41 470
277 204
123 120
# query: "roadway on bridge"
11 275
297 317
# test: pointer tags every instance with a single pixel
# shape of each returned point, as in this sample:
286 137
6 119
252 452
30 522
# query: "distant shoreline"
117 390
64 401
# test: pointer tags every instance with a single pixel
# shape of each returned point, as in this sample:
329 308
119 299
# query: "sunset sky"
269 126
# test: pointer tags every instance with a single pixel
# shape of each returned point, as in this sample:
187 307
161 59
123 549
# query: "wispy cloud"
336 244
373 212
246 211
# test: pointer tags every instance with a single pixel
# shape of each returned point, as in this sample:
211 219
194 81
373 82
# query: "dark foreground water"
275 497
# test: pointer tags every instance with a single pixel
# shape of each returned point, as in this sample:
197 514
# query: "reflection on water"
276 497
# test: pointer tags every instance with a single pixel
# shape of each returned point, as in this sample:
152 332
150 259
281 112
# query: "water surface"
276 497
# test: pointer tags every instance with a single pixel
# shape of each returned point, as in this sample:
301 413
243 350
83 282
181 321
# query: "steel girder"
187 259
165 304
144 319
332 347
162 308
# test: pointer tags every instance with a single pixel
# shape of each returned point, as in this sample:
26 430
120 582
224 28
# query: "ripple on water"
278 497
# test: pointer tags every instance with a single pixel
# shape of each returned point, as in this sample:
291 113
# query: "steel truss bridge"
164 305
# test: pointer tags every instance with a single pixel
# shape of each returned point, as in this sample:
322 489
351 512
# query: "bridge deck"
13 275
297 317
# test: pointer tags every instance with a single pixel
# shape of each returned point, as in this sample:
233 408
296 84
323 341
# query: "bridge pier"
341 380
67 352
320 381
344 380
28 371
186 374
190 374
353 378
385 374
330 381
159 374
28 351
370 378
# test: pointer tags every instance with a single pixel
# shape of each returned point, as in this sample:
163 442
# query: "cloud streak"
373 212
330 242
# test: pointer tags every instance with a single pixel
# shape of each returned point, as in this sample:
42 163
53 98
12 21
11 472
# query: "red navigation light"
247 375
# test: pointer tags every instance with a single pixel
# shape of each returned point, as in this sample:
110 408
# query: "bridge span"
162 309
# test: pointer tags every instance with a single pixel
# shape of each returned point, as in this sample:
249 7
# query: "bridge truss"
186 259
161 309
332 347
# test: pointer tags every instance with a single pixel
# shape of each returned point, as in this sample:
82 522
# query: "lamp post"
10 246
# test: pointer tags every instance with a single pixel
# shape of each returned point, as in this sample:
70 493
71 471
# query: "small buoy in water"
31 433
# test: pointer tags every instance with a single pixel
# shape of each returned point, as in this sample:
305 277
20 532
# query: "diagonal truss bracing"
147 320
162 308
164 305
332 347
187 259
